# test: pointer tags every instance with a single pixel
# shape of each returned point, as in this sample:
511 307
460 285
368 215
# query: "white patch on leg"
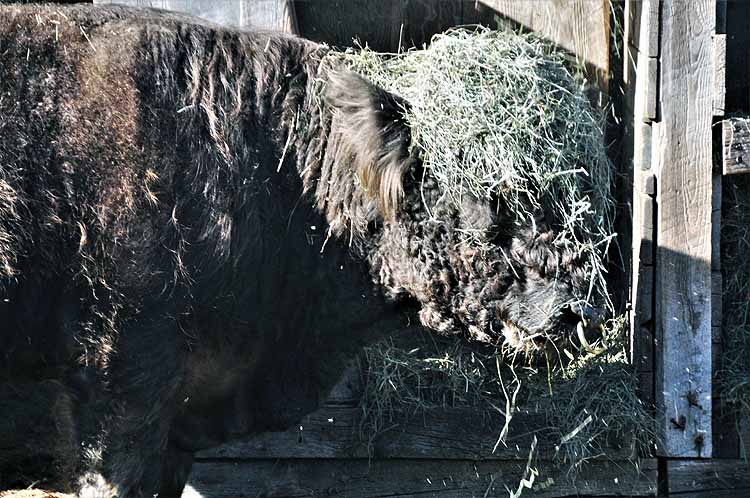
93 485
190 492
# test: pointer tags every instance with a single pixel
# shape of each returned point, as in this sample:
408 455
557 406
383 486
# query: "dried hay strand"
497 113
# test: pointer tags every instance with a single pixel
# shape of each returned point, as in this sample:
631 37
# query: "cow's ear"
370 123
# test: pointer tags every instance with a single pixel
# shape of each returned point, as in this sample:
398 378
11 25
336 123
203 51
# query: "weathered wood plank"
274 15
650 99
424 18
726 493
338 23
720 74
683 271
226 13
644 27
716 302
736 152
581 27
333 432
413 478
716 222
721 16
691 476
744 431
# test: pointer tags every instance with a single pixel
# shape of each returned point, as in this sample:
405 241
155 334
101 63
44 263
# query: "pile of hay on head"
498 113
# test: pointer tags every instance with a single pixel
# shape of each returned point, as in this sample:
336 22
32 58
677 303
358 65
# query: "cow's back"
116 156
49 138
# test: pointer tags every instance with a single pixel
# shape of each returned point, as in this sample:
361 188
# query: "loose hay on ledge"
497 113
590 404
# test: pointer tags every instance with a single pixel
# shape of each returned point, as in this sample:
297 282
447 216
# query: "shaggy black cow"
199 227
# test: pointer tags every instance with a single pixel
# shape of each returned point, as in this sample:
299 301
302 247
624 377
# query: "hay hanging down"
498 113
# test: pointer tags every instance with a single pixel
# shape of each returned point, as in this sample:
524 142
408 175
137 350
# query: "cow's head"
471 265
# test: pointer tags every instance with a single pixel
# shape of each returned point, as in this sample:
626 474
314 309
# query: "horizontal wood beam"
709 476
417 478
450 434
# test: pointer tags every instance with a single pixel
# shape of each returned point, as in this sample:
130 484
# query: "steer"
200 226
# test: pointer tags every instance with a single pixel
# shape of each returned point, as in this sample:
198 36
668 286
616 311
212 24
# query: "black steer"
199 227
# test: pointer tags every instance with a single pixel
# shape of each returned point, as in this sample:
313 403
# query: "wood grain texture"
720 74
273 15
651 74
643 238
683 271
425 18
340 22
692 476
736 150
450 434
411 478
581 27
228 13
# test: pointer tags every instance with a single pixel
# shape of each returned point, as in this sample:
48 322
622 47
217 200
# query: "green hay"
497 113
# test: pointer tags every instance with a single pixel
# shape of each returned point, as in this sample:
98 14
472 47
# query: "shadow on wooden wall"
579 27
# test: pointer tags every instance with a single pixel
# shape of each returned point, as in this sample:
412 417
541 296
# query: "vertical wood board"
274 15
581 27
683 271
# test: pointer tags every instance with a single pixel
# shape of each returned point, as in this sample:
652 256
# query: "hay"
733 375
587 403
497 113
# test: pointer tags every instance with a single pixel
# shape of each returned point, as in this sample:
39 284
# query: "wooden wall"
450 453
582 27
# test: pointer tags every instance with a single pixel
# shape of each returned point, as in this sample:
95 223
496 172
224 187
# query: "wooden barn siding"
582 27
446 453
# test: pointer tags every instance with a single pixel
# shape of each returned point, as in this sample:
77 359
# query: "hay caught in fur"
497 114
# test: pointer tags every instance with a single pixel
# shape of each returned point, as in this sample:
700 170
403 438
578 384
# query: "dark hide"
199 227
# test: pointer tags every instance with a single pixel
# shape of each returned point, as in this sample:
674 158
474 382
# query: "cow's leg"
145 378
175 470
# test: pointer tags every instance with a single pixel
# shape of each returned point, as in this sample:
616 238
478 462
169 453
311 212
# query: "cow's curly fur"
191 223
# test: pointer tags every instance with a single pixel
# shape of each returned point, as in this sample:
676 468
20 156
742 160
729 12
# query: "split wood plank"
683 270
720 74
361 478
704 476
